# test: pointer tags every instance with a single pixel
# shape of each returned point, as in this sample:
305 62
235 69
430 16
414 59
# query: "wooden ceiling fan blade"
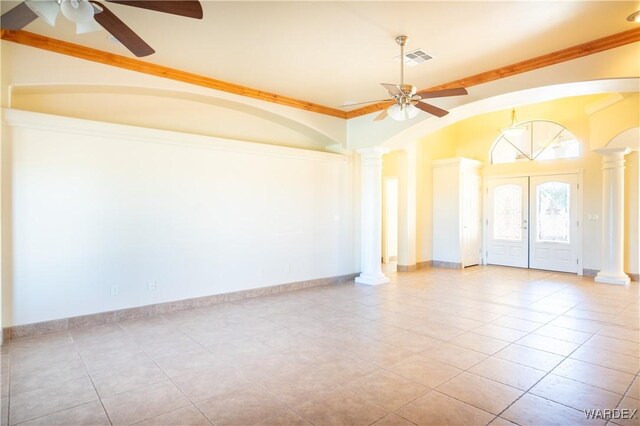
17 18
381 116
122 32
431 109
188 8
393 89
457 91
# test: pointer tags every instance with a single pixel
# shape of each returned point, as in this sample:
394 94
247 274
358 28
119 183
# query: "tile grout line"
73 406
9 386
164 372
94 386
624 395
56 412
193 403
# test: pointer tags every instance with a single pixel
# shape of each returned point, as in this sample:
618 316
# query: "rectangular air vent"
415 57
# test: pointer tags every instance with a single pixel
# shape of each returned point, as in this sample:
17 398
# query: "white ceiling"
332 52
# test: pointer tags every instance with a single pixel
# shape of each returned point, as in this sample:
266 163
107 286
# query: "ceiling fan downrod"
402 40
406 90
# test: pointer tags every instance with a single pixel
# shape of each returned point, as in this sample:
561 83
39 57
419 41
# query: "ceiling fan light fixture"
634 17
46 10
78 11
402 112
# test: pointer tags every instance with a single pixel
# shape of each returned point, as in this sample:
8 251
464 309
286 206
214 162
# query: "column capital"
613 158
616 152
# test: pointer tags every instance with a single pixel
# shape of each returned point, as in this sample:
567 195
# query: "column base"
372 280
612 279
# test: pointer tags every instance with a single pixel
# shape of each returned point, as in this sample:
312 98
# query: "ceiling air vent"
415 57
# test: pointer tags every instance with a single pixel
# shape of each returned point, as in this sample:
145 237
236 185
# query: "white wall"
91 205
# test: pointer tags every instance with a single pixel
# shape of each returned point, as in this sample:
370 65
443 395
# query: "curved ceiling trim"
289 123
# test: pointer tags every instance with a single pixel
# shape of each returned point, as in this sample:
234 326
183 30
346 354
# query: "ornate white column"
371 216
612 257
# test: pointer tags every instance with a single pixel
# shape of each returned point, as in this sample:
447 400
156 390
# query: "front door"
507 222
554 223
532 222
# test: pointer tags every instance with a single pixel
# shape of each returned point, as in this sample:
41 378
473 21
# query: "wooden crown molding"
553 58
95 55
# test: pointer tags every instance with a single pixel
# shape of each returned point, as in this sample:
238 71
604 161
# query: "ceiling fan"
91 15
408 101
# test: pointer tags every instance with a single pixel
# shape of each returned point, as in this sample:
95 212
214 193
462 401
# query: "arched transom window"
540 140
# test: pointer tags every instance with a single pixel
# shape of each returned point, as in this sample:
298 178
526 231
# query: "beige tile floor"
486 345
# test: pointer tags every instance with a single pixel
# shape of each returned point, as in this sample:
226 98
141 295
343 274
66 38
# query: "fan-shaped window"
540 140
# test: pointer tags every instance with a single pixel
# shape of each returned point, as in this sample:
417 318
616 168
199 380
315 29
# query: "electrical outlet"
152 286
114 290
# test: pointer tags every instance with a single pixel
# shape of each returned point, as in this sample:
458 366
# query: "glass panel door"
554 223
507 224
507 212
553 201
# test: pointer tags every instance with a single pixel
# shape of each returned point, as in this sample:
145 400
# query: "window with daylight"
553 212
507 213
540 140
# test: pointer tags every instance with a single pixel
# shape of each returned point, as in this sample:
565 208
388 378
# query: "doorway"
532 222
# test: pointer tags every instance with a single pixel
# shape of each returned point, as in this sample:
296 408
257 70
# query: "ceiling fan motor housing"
408 89
407 93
